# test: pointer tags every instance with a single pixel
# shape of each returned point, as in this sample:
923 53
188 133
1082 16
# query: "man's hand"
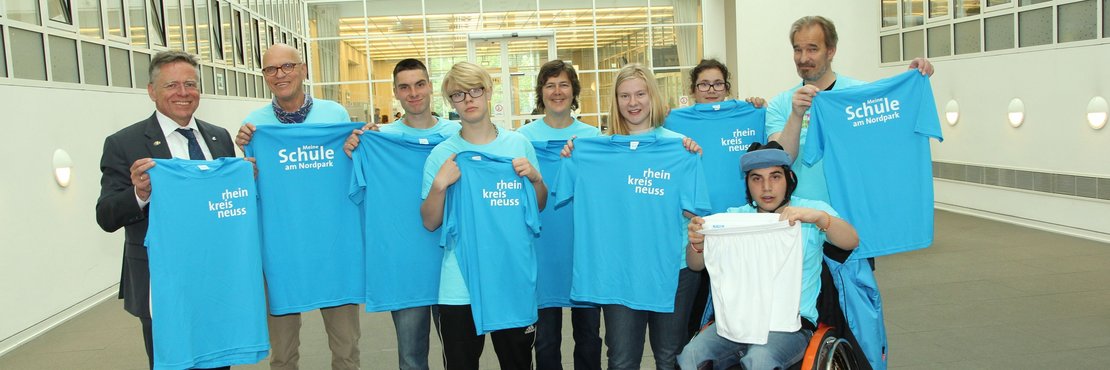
448 174
691 145
353 140
692 230
922 65
756 101
140 179
524 168
246 131
802 100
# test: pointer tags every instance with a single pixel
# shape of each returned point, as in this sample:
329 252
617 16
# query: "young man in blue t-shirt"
285 72
557 90
771 183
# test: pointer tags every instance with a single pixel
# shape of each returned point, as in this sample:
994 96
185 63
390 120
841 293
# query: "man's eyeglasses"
458 97
716 86
287 68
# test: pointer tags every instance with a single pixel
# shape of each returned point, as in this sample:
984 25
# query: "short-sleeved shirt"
811 178
539 130
510 144
443 127
323 111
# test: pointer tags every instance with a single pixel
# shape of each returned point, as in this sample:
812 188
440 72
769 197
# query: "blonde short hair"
465 76
659 110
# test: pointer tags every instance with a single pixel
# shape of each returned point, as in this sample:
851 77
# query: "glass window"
96 68
220 81
203 31
120 60
237 39
216 16
63 60
938 8
913 13
999 32
341 60
88 18
255 30
509 14
564 14
891 48
354 97
672 85
675 11
137 15
3 61
940 41
263 36
385 52
622 12
208 82
889 13
966 35
172 15
157 23
248 81
674 46
30 61
263 90
913 44
232 83
1035 27
991 3
189 26
59 11
966 8
23 10
1105 18
1031 2
619 46
576 46
115 18
141 68
452 16
1078 21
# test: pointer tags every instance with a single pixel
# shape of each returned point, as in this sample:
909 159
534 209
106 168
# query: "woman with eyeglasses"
468 88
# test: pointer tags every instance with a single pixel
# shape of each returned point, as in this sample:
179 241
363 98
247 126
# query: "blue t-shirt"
811 177
323 111
538 130
724 131
813 240
629 234
490 218
402 257
875 138
442 127
555 246
311 244
207 300
510 144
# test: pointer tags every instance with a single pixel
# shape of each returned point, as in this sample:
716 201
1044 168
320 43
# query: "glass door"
512 60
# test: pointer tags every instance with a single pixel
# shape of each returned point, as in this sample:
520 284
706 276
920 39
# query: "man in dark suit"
124 184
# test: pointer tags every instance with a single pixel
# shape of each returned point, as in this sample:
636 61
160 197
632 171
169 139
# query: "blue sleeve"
357 189
448 229
431 167
815 144
531 212
695 195
927 122
778 110
563 188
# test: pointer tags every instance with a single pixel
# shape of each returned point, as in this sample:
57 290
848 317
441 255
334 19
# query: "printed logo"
873 111
225 207
499 196
736 142
307 157
645 184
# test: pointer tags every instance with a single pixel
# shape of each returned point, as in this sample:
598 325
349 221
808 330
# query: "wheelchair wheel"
836 354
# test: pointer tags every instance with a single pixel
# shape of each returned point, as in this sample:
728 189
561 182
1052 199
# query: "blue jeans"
413 325
586 323
781 351
625 329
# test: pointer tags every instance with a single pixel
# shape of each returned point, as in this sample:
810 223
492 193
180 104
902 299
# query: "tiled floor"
986 295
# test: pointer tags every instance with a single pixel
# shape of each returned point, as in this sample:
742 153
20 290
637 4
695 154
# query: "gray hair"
816 20
167 57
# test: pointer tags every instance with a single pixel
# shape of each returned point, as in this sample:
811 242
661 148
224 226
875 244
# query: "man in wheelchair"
770 183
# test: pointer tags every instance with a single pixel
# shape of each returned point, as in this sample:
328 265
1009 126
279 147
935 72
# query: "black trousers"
462 347
148 341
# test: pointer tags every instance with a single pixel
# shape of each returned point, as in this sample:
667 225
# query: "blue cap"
763 158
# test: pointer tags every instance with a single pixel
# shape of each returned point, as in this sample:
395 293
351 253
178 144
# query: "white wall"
53 256
1055 83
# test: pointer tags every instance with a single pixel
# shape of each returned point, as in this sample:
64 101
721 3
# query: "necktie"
194 147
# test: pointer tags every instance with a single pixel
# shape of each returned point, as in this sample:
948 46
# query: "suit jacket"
118 208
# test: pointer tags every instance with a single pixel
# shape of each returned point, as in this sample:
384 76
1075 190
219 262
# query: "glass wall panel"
891 48
674 46
88 18
385 52
675 11
157 19
174 36
354 97
121 67
619 46
564 14
1035 27
96 67
913 13
1031 2
913 44
509 14
263 91
889 12
999 32
576 46
189 26
227 33
59 11
63 59
232 82
940 41
1105 18
991 3
207 80
966 35
672 85
115 17
30 61
587 100
220 77
137 15
938 8
141 69
966 8
204 30
1078 21
3 60
23 10
339 60
622 12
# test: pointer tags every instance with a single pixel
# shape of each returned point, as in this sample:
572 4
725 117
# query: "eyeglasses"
458 97
188 85
287 68
716 86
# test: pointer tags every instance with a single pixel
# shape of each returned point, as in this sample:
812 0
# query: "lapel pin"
157 143
213 138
